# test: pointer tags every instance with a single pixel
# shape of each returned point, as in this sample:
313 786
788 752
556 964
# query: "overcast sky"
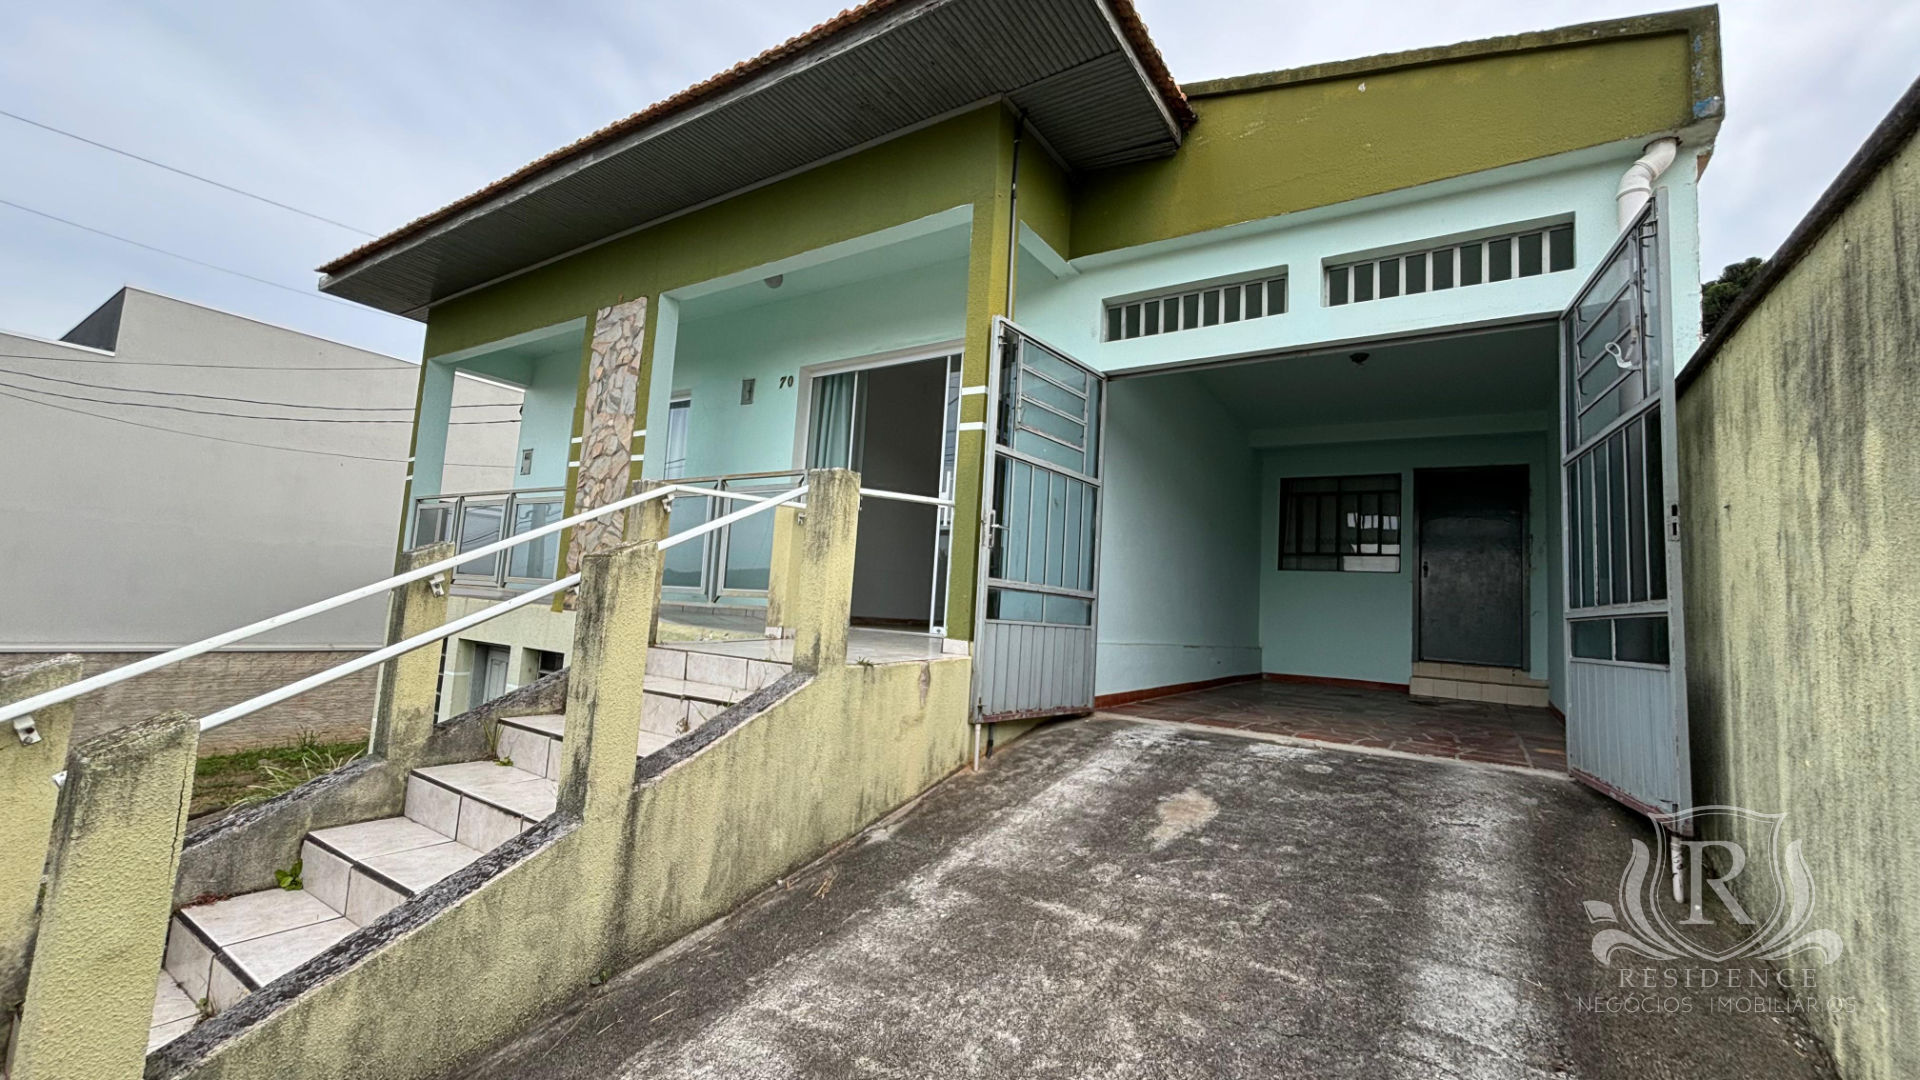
374 113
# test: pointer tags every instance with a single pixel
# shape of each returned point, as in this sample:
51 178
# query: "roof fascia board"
1140 72
785 69
1692 21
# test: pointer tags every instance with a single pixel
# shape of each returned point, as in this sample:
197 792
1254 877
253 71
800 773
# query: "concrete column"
606 425
430 428
617 595
27 798
109 895
403 714
783 572
822 596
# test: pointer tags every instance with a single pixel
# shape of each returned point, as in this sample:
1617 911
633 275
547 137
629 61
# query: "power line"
227 415
193 364
239 400
235 442
182 172
194 261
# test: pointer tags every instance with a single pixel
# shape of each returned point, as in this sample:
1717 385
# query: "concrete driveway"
1116 898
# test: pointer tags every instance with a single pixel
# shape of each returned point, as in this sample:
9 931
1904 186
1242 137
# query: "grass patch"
249 776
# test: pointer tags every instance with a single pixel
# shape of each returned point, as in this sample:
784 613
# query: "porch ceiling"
1081 71
1498 372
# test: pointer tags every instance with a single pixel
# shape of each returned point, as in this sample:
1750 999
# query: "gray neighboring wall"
1800 481
118 540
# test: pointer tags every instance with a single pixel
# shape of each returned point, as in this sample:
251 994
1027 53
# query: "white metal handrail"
441 633
27 706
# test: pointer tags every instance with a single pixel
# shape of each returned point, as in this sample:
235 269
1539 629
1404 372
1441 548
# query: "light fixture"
1358 358
774 281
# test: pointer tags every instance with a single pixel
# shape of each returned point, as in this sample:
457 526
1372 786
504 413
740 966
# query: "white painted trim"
972 425
972 391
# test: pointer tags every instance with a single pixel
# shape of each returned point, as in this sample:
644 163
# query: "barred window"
1340 523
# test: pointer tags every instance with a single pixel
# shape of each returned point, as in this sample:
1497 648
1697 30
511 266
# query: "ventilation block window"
1340 523
1518 254
1194 307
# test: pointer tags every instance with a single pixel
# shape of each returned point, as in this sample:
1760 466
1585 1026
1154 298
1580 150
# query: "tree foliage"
1717 296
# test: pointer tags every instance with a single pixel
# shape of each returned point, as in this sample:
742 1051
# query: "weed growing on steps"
289 879
493 744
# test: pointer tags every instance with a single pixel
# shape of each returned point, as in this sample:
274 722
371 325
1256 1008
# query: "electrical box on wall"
746 391
526 463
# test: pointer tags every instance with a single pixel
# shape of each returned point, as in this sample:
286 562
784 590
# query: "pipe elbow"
1636 184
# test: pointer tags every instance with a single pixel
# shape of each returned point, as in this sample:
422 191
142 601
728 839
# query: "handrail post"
103 922
409 685
651 521
617 597
784 572
28 796
823 592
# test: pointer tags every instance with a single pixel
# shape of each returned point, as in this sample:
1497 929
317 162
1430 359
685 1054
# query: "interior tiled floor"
1382 719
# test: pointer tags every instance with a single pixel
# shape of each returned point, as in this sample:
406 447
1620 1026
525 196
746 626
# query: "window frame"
1328 495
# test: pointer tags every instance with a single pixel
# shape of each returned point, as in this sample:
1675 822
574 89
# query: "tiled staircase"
219 952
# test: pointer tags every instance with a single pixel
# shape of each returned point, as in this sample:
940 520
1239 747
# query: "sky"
373 114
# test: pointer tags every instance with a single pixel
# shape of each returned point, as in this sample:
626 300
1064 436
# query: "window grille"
1519 254
1340 523
1192 308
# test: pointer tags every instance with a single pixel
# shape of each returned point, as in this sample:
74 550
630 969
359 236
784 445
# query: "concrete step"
742 665
671 707
174 1013
219 952
1472 682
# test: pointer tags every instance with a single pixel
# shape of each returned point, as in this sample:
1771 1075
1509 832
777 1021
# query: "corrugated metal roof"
1083 71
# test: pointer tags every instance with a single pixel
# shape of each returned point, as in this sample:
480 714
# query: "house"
949 367
1259 376
209 470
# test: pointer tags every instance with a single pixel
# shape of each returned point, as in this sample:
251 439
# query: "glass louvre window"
1340 523
1190 309
1499 258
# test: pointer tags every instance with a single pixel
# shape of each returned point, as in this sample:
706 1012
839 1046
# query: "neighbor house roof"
1083 72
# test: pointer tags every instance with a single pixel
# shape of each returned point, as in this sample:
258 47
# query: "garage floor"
1118 898
1377 719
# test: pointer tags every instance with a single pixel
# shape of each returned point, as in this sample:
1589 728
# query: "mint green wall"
546 421
1179 570
1360 625
709 357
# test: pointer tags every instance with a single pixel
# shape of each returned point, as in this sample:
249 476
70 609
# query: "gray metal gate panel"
1626 709
1037 605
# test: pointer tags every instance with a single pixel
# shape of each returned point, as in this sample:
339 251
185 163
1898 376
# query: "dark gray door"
1473 584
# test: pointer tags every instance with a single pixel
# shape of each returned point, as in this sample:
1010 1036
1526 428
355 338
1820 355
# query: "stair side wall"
758 792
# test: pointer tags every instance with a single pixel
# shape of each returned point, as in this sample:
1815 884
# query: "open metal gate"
1626 688
1040 547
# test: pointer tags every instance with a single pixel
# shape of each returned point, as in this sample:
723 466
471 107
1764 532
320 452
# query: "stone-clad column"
606 424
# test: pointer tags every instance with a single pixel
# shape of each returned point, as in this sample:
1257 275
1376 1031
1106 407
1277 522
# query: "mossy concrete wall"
103 925
28 793
1800 481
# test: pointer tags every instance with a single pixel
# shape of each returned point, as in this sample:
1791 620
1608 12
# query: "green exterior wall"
1800 488
1271 150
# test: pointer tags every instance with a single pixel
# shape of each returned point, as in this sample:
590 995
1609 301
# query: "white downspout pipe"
1636 187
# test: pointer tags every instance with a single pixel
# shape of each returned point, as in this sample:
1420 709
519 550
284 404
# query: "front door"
1626 689
1473 586
1040 549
